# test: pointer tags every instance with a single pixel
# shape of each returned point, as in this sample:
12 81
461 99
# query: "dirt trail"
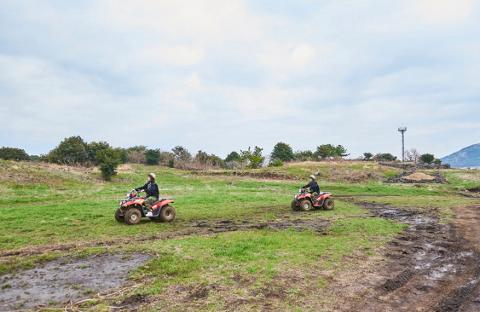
432 267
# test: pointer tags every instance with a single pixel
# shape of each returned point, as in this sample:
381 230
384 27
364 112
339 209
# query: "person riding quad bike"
312 186
152 193
309 197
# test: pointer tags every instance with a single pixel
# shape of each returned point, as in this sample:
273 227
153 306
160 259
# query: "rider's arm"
308 185
141 188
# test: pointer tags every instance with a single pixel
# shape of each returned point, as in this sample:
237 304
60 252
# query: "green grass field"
44 205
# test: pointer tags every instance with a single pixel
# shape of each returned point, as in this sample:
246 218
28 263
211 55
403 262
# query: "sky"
220 75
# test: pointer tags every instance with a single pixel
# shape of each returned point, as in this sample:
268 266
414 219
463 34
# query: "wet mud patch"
430 267
202 227
66 279
315 225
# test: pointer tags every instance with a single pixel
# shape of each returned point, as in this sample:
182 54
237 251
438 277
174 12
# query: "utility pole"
402 130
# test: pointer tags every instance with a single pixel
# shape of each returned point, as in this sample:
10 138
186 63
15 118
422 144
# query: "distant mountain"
467 157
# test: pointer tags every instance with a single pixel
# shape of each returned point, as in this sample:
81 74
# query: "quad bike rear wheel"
167 214
306 205
329 204
119 216
133 216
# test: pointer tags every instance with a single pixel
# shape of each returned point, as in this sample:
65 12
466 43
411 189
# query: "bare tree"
412 155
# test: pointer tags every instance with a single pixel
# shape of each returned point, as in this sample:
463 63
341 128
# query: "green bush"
254 159
330 151
93 148
367 156
282 152
108 160
181 154
427 158
122 153
385 157
71 151
276 163
233 156
303 155
11 153
152 156
209 159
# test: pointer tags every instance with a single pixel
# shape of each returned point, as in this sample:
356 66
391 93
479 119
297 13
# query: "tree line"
75 151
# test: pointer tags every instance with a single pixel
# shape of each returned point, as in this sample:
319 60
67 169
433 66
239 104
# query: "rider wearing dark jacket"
313 185
150 188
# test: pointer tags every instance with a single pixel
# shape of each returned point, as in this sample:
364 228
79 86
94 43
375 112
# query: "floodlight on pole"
402 130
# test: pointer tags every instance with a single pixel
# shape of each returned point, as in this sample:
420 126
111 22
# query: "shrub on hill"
367 156
152 156
205 160
108 160
427 158
330 151
71 151
11 153
282 151
136 154
233 156
276 163
93 148
303 155
253 159
385 157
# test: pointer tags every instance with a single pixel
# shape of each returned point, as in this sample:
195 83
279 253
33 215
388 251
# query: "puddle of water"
442 271
66 279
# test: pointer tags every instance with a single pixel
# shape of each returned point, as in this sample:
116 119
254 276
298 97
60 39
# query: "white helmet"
313 177
151 174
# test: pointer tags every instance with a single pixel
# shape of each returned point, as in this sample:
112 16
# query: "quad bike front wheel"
294 205
329 204
119 215
306 205
133 216
167 214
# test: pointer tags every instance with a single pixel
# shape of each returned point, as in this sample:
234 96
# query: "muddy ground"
430 267
69 280
66 279
201 227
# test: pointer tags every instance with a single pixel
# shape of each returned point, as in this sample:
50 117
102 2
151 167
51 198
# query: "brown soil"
69 279
66 279
432 266
417 177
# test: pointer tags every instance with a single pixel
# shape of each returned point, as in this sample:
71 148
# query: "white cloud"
191 71
173 55
444 11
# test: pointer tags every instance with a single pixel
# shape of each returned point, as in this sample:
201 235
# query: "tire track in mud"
202 227
48 276
432 266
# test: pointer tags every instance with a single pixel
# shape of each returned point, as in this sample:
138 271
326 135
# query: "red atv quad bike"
305 201
133 208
